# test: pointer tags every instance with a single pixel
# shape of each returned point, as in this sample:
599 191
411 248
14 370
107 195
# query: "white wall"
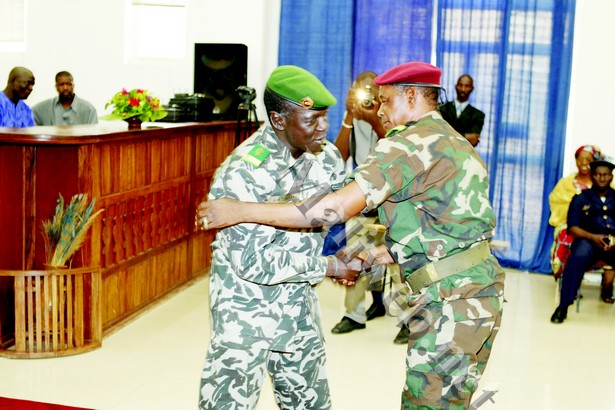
593 80
86 37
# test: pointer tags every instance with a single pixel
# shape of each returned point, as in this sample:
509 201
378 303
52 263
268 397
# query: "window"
13 26
155 29
519 53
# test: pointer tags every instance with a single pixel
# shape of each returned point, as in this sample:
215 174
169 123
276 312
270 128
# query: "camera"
246 94
365 96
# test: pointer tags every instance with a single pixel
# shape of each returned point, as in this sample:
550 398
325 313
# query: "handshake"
346 266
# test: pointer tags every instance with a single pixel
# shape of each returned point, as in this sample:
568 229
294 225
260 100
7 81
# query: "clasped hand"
606 242
345 273
355 260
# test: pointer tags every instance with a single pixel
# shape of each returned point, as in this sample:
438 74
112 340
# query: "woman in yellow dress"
559 201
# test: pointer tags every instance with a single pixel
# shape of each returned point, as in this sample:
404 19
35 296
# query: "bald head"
464 87
20 84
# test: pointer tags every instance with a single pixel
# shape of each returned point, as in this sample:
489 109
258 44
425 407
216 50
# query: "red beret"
414 72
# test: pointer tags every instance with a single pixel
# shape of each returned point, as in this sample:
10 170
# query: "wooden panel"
129 290
11 208
145 243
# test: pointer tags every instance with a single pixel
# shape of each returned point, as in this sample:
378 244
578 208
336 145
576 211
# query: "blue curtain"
519 53
317 35
337 40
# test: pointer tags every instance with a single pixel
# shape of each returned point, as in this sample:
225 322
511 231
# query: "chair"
598 268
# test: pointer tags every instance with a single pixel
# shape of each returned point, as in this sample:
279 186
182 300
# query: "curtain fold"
317 35
519 53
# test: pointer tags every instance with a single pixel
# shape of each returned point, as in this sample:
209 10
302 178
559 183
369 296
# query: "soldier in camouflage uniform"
431 191
264 309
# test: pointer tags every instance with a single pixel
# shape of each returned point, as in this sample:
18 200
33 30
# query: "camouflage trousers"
447 353
233 375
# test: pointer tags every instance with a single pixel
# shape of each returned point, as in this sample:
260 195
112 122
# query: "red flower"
133 102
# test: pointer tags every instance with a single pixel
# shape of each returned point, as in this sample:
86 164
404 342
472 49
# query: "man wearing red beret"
430 188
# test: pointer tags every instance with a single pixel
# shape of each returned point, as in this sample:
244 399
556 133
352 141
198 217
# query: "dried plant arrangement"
66 231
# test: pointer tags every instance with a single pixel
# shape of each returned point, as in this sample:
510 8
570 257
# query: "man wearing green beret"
264 310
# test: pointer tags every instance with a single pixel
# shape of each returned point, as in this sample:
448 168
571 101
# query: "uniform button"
439 247
604 217
462 245
605 207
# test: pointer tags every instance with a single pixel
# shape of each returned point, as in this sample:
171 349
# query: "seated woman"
559 201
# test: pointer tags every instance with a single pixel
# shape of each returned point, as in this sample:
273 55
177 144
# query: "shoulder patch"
256 156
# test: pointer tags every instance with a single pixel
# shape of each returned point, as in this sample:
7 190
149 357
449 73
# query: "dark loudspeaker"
219 69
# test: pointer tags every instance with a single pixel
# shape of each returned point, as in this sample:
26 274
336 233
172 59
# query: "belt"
440 269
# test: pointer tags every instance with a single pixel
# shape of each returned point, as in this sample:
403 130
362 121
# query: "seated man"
66 108
14 112
591 222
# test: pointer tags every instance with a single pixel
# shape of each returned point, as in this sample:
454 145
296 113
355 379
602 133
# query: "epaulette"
395 130
256 156
399 128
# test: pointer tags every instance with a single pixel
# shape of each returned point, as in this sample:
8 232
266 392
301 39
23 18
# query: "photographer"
360 131
361 127
591 222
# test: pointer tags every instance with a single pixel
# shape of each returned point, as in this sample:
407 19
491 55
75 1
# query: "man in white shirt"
464 118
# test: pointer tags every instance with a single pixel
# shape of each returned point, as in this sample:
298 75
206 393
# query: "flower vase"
134 123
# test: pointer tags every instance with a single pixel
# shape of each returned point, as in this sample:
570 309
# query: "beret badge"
307 102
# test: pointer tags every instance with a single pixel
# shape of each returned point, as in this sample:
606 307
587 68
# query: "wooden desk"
148 181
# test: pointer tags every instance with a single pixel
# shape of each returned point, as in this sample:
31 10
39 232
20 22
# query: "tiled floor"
155 361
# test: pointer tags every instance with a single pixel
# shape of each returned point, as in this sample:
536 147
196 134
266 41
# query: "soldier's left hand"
218 213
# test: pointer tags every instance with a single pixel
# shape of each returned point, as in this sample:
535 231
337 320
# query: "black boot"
559 315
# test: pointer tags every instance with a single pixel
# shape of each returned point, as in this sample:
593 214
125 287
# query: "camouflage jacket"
262 277
432 193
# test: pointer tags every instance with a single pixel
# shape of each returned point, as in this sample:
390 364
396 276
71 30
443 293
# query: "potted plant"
135 106
64 234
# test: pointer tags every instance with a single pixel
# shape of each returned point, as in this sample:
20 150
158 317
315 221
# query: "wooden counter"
148 182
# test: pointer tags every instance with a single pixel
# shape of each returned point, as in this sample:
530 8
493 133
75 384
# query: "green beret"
300 87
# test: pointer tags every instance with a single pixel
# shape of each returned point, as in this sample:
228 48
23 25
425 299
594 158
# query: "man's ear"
410 95
278 121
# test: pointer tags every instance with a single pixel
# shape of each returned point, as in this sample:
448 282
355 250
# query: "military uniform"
431 190
593 214
264 308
